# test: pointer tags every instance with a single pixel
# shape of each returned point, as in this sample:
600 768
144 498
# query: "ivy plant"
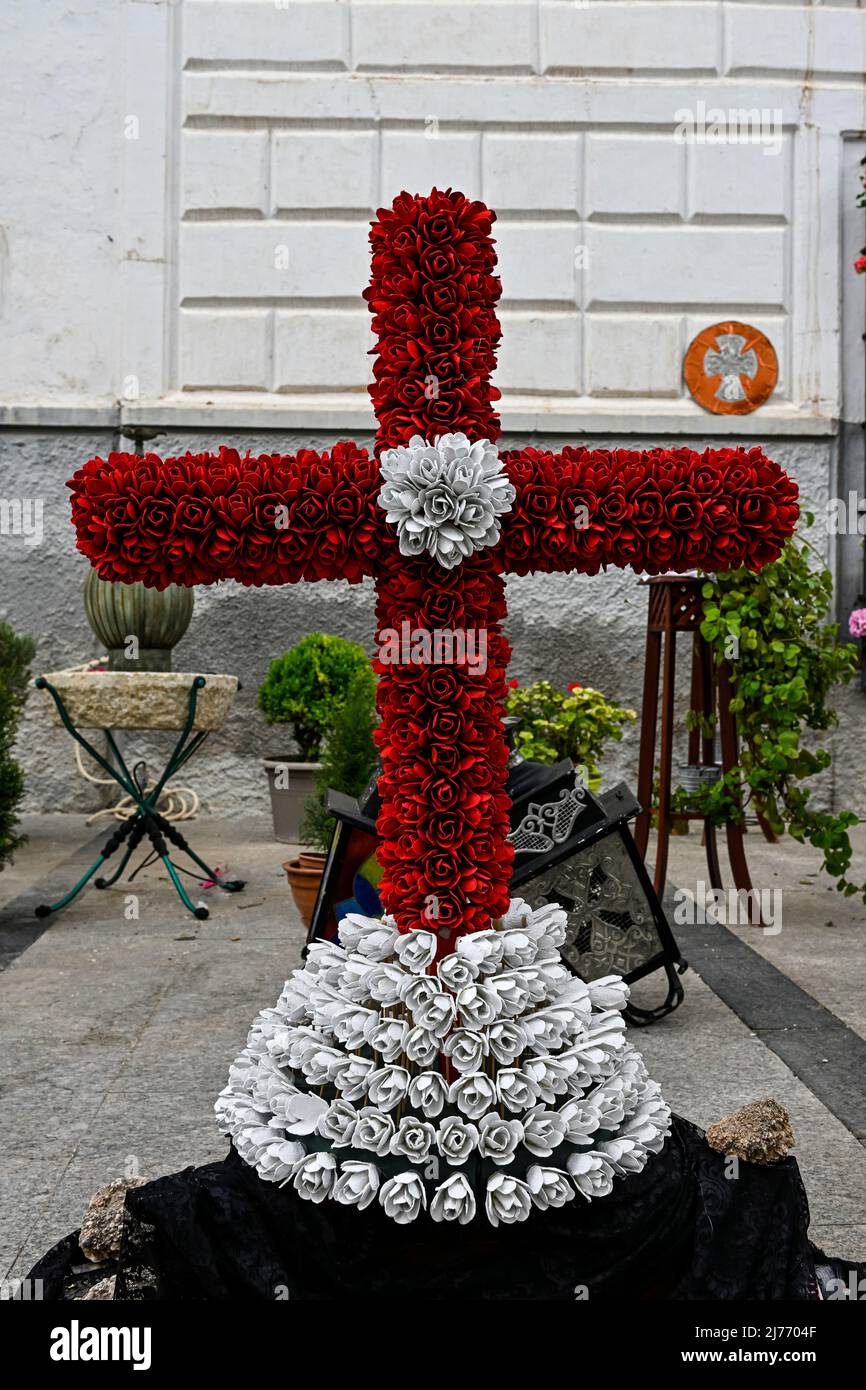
784 659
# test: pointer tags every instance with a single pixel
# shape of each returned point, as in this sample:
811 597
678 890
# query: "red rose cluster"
274 519
653 511
432 295
445 813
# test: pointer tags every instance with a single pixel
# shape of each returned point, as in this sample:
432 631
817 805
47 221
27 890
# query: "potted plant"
304 689
348 760
574 723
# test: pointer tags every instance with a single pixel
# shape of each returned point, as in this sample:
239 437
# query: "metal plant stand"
146 822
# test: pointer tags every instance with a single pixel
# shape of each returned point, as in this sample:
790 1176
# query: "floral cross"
437 517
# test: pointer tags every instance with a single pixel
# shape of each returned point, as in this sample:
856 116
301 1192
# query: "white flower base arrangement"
495 1081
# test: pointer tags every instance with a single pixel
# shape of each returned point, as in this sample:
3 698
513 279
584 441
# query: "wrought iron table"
178 705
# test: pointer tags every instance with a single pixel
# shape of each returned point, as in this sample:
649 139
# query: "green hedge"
16 653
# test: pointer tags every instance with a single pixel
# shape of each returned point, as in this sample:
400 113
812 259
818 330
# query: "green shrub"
348 758
16 653
574 723
307 687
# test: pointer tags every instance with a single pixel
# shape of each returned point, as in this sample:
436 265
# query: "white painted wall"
189 183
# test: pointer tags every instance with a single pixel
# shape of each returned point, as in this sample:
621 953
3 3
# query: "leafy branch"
784 659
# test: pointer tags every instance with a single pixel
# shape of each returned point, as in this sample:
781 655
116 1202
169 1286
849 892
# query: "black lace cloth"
681 1229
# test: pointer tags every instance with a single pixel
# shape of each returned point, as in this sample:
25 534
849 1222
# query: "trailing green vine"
784 659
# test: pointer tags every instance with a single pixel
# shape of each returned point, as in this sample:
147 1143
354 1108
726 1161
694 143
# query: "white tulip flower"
416 950
357 1184
421 1046
483 948
478 1005
403 1197
338 1123
473 1094
454 1200
277 1163
516 1088
543 1131
466 1049
428 1093
609 992
508 1200
314 1176
591 1174
549 1187
387 1086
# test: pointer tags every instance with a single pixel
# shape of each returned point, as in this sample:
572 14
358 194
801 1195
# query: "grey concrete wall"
563 627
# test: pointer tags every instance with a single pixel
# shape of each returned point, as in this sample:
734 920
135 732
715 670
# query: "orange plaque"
731 368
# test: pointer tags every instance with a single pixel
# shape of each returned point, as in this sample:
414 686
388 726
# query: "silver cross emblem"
730 363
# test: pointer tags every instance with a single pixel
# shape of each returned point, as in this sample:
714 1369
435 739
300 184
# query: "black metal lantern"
576 849
571 847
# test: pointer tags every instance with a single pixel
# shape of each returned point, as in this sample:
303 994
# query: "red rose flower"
682 509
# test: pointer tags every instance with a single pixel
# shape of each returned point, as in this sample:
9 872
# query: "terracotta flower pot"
304 879
312 859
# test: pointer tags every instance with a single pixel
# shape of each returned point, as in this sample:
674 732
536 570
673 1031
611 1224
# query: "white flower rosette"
498 1139
456 1138
444 497
413 1139
373 1131
477 1087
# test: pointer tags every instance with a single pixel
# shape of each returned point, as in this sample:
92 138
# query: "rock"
140 699
100 1230
103 1289
759 1132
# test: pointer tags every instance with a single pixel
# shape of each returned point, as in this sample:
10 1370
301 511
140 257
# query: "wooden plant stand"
676 605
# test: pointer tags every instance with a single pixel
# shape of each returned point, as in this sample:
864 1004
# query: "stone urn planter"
290 784
157 619
305 876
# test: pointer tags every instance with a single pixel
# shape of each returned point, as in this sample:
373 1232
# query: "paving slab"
117 1032
822 943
